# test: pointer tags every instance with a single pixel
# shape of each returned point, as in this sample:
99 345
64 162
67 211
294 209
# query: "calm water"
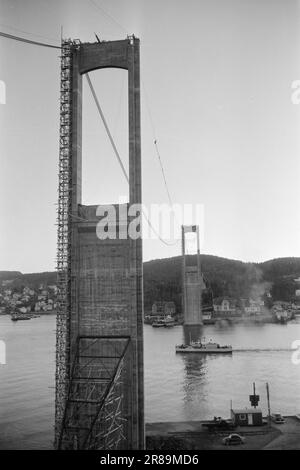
178 387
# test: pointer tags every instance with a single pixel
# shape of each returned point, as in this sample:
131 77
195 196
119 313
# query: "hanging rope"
155 141
100 8
163 172
119 158
106 127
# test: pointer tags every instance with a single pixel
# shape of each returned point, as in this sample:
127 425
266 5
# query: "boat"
166 322
203 347
16 317
158 324
209 321
207 318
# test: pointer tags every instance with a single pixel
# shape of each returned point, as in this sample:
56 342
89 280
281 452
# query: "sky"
216 95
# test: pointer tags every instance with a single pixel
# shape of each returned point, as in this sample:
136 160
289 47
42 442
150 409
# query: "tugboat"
207 318
166 322
203 348
17 316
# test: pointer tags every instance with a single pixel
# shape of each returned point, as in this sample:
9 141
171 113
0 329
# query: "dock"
191 435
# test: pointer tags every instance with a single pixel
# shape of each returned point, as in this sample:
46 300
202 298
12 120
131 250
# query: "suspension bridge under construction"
99 402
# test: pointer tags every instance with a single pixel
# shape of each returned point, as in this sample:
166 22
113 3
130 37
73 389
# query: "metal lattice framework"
63 231
95 416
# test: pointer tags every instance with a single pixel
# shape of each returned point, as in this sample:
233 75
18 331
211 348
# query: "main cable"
28 41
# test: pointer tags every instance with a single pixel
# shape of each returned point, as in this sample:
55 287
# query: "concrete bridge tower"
191 281
99 362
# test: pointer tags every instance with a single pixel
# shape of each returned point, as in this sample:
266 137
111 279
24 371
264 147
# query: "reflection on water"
178 387
181 387
195 367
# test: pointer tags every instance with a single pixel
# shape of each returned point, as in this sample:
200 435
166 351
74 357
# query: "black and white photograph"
149 228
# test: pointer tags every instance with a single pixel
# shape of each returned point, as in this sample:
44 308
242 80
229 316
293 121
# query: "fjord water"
178 387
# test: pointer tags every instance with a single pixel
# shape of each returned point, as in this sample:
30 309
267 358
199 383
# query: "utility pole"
268 398
254 399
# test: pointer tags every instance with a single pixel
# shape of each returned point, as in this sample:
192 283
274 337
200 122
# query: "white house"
224 306
254 306
42 297
23 309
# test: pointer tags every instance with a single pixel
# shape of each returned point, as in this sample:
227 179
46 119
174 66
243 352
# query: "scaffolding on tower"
63 235
96 412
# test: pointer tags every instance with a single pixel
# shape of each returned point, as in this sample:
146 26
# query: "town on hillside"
41 298
262 308
27 300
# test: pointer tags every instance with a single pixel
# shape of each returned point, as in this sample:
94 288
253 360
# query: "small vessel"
158 324
16 317
166 322
203 347
207 318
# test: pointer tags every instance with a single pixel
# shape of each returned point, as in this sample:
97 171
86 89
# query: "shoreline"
192 435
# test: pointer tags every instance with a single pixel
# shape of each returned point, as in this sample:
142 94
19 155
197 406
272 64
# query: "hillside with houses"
230 288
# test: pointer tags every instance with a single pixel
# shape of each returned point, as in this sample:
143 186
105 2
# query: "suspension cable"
43 44
119 158
155 141
28 41
106 127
